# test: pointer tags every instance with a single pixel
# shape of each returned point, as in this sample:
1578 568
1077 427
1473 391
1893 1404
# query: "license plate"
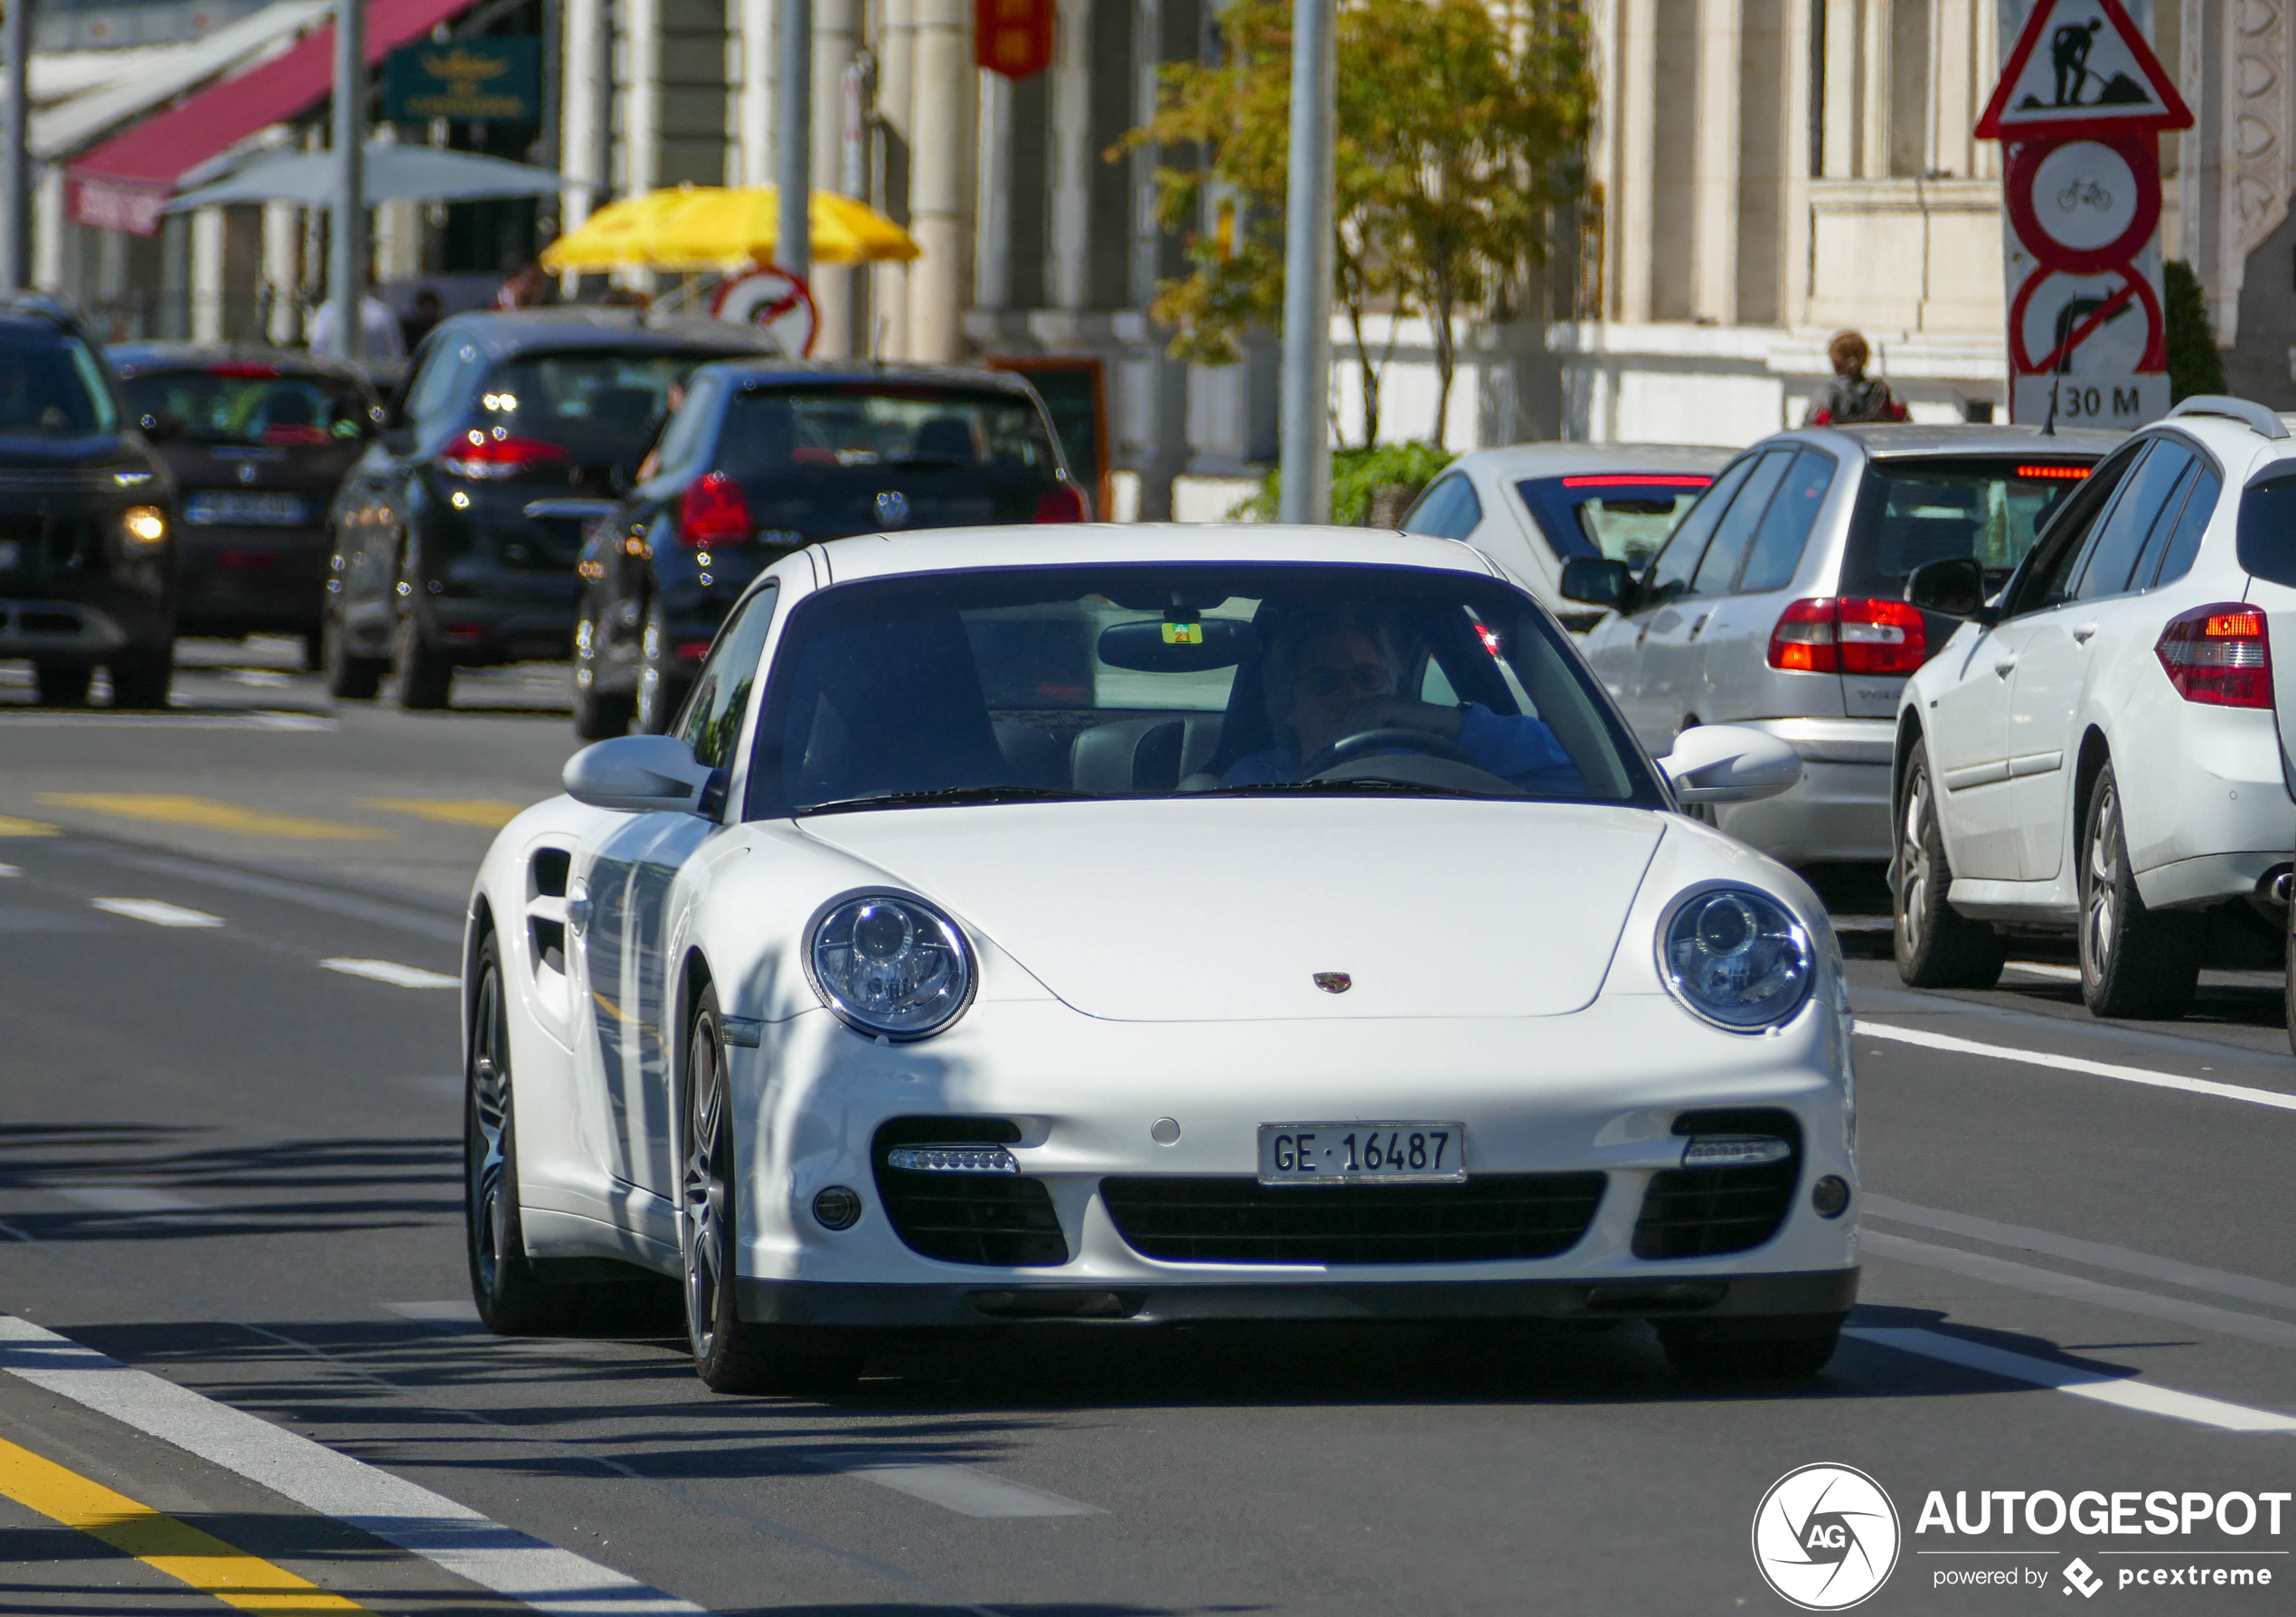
1356 1153
230 508
11 555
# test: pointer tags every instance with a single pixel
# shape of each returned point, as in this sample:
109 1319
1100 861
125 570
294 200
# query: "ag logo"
1825 1537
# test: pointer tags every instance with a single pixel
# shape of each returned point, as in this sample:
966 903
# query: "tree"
2193 364
1458 125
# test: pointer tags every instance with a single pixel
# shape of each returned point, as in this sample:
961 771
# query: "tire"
421 674
511 1300
315 649
61 687
599 716
1936 945
348 678
141 678
2134 962
661 688
730 1356
2288 994
1786 1349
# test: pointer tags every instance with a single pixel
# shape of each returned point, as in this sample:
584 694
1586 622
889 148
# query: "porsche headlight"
1736 957
891 966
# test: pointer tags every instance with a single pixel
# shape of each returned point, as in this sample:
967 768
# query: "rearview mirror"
1953 587
1729 763
1598 581
637 775
1174 647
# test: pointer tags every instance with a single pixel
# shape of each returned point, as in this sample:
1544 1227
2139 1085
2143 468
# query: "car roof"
37 308
783 369
1562 460
1883 440
1062 544
500 333
129 358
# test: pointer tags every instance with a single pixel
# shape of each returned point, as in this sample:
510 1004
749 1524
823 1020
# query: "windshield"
50 386
606 403
875 424
1148 680
1626 516
1916 511
251 405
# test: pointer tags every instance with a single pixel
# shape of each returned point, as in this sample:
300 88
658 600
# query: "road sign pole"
348 270
792 140
1306 433
15 177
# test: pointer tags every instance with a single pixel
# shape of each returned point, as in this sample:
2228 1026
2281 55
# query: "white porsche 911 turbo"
1141 925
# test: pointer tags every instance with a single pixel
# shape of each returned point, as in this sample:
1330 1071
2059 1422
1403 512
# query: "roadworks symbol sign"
2080 67
1826 1537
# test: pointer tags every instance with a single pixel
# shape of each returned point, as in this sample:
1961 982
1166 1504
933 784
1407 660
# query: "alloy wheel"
704 1191
1912 862
489 1124
2102 907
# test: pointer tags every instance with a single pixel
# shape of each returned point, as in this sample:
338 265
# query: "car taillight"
1065 503
711 512
243 368
485 456
1850 634
2221 655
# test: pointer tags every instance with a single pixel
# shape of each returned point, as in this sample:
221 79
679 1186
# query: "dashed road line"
126 1198
487 813
208 813
380 1503
159 1541
8 870
10 826
158 913
391 972
444 926
182 720
2103 1386
2099 1069
951 1487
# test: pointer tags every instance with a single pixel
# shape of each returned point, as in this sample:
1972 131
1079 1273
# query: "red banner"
1012 37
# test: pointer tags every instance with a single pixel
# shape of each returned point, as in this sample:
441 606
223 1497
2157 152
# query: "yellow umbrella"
707 227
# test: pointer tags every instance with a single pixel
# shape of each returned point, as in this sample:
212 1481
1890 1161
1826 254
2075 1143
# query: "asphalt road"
237 1354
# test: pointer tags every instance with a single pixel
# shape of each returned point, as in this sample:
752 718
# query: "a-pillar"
940 180
1714 163
836 40
895 111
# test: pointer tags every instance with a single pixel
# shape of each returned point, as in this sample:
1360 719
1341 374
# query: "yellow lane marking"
10 826
161 1542
488 813
168 808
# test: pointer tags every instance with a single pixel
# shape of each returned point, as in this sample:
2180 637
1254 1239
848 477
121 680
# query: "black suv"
451 546
259 439
87 517
768 455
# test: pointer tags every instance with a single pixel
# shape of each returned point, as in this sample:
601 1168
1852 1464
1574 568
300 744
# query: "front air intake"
1703 1211
952 1192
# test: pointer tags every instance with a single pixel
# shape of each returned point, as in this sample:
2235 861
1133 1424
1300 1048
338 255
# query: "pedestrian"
378 326
525 287
427 313
1853 396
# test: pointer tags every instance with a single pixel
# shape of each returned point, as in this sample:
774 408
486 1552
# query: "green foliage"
1356 475
2195 366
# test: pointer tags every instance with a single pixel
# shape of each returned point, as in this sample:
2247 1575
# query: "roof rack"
2245 410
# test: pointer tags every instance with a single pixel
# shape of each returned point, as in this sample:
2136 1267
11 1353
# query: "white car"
2094 749
979 947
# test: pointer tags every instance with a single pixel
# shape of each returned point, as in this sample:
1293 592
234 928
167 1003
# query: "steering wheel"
1366 744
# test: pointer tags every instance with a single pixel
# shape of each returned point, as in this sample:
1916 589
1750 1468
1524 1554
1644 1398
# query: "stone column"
1068 275
1632 214
896 107
753 21
1955 95
49 228
992 238
836 39
940 191
1714 276
584 93
1842 102
1873 90
282 269
207 276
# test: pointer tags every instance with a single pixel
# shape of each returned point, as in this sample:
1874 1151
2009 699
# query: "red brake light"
2073 474
244 368
1065 503
2221 655
711 512
1636 480
1850 634
485 455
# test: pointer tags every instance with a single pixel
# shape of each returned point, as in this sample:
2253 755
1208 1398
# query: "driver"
1333 675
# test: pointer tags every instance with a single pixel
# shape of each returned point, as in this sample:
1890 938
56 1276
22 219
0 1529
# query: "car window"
1989 508
2142 506
52 385
710 722
2184 543
2266 545
859 426
440 389
1624 515
2140 576
1786 525
1669 575
1449 510
2047 570
1735 532
683 439
239 403
598 404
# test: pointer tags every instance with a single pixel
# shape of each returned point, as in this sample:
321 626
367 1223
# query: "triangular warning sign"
2080 67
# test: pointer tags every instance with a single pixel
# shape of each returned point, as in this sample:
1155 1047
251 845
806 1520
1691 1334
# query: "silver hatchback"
1778 602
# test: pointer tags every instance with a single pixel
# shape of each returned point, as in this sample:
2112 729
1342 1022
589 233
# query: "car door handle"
2004 666
1695 627
2084 633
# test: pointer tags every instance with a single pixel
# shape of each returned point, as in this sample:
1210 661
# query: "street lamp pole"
347 272
1306 438
15 171
792 140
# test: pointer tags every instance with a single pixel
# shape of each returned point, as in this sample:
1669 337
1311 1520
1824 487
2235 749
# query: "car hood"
1223 910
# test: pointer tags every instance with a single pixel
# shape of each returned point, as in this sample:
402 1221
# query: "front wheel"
141 678
2134 962
1936 945
349 677
511 1300
422 673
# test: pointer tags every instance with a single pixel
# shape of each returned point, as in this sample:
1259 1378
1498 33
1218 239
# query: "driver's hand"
1401 713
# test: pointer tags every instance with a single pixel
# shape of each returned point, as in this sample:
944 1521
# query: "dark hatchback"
87 518
259 439
767 455
452 545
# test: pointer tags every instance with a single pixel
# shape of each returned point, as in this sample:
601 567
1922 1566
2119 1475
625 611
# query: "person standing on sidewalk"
1853 396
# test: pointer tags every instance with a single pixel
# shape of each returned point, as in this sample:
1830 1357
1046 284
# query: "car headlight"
1736 957
145 525
891 967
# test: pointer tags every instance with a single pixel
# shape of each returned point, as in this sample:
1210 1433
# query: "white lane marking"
957 1487
2099 1069
2040 968
444 926
2096 1254
391 971
158 913
7 870
2073 1288
172 721
2121 1391
441 1530
126 1199
1862 923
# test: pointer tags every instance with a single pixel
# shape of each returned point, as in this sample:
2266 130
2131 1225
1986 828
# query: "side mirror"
1729 763
159 425
1954 587
637 775
1598 581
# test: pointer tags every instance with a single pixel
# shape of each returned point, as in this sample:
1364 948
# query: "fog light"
838 1207
144 524
1734 1150
952 1159
1829 1196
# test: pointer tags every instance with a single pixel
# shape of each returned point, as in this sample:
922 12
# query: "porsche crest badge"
1334 981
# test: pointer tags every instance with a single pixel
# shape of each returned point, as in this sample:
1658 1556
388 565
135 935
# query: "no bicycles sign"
2080 108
